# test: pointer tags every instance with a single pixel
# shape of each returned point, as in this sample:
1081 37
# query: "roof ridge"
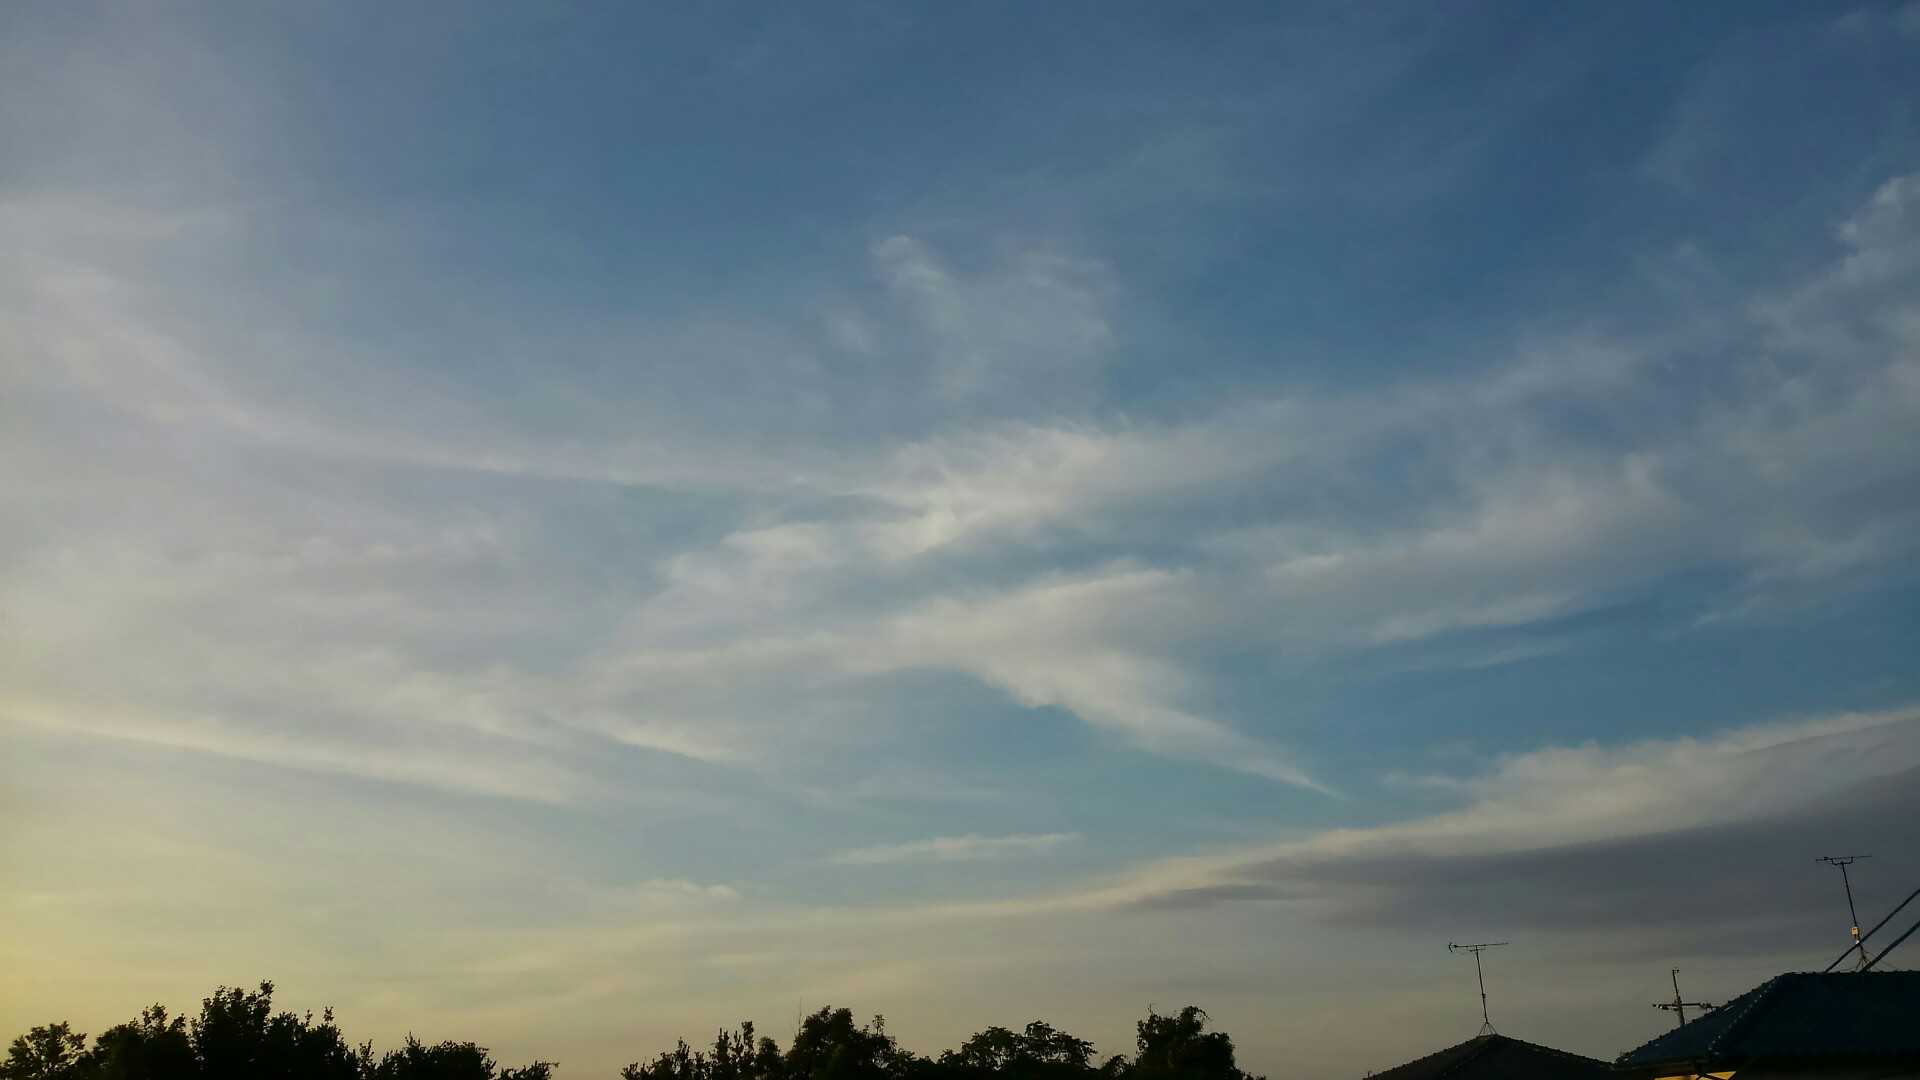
1550 1049
1745 1017
1741 1001
1465 1047
1795 1015
1474 1054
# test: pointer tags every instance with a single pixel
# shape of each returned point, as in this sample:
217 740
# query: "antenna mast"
1844 861
1486 1024
1679 1005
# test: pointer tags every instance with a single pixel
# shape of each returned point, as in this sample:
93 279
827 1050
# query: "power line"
1876 929
1868 966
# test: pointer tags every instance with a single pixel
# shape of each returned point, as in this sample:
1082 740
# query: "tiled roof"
1497 1057
1870 1014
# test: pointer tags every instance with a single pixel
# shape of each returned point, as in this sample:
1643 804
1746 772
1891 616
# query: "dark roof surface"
1496 1057
1868 1014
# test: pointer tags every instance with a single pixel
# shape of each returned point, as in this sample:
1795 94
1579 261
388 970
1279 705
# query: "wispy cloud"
1522 524
1556 799
969 848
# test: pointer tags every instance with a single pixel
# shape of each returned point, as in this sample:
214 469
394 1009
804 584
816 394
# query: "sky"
574 525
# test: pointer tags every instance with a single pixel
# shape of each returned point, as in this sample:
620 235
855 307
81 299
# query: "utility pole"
1486 1023
1844 861
1679 1004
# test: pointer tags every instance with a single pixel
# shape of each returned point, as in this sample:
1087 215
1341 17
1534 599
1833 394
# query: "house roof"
1868 1014
1497 1057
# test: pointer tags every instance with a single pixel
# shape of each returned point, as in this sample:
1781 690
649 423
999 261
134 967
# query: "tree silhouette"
237 1035
735 1055
49 1052
829 1047
155 1046
1179 1047
1041 1050
447 1060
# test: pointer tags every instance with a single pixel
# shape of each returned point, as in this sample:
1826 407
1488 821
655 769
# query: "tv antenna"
1486 1024
1844 861
1679 1005
1864 938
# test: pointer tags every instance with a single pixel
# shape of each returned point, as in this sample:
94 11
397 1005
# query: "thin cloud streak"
1543 800
969 848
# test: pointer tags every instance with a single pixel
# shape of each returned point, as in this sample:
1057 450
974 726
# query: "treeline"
830 1046
238 1036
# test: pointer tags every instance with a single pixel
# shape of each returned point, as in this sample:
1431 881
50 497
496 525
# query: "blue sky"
574 524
